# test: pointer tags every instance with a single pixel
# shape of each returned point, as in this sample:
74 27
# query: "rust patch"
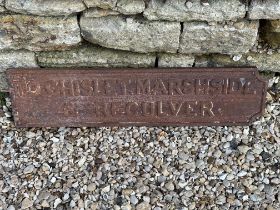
122 97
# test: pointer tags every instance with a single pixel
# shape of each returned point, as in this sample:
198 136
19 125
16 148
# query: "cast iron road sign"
122 97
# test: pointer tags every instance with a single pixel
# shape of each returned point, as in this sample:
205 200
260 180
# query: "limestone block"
129 7
45 7
98 12
262 61
175 60
264 9
182 10
94 56
38 33
104 4
200 37
15 59
132 34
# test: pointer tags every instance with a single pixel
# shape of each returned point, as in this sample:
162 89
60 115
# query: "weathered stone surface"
175 60
262 61
98 12
46 7
26 203
104 4
38 33
131 34
15 59
182 10
199 37
260 9
92 56
3 83
129 7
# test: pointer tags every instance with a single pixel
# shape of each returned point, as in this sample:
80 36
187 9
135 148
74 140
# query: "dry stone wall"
139 33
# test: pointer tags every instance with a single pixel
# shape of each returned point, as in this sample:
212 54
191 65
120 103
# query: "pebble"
237 57
53 180
106 189
133 199
242 173
11 207
221 199
161 179
269 207
55 140
57 202
249 58
26 203
223 176
243 149
143 206
189 4
250 156
257 149
72 204
230 177
265 155
30 134
91 187
169 186
45 204
126 207
29 169
82 161
275 181
255 198
266 180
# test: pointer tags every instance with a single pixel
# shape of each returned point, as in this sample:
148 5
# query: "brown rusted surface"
121 97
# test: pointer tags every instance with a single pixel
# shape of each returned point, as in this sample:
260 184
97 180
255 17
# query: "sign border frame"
253 70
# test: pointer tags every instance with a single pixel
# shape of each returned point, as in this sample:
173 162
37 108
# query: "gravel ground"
143 168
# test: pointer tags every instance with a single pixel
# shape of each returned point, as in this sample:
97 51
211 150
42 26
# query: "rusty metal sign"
122 97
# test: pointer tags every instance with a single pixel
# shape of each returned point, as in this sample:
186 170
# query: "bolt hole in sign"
132 97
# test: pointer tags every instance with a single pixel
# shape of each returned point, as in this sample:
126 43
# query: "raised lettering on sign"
117 87
136 96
